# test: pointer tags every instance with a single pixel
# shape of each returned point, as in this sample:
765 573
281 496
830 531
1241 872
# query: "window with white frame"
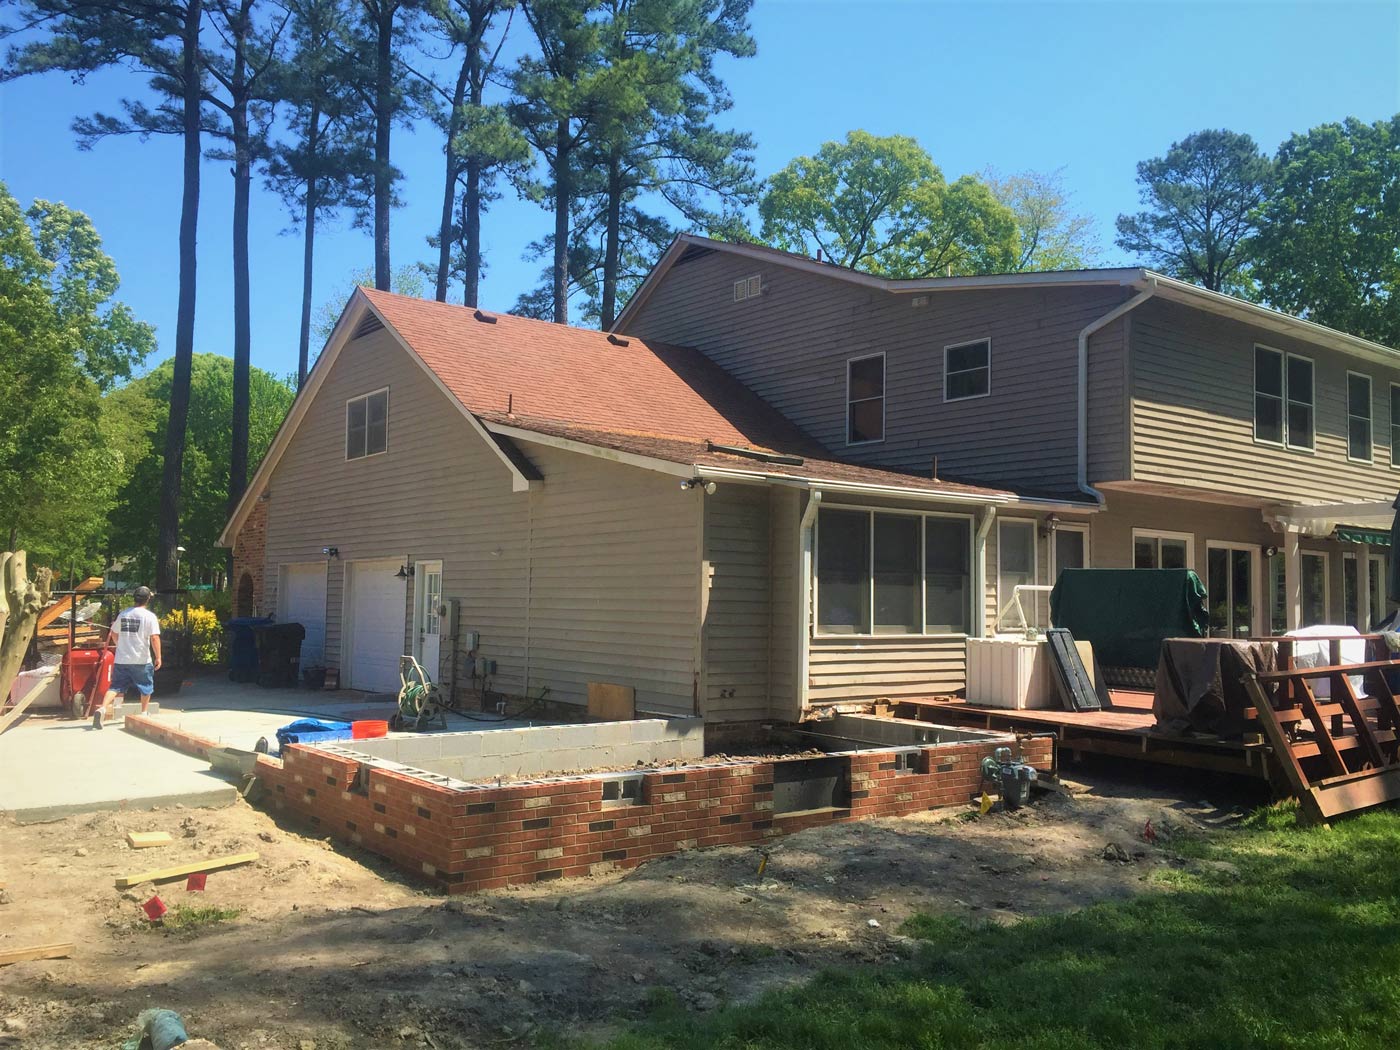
1283 399
1358 417
1163 550
1395 424
1351 591
892 573
367 425
865 399
1314 588
1016 567
967 370
748 288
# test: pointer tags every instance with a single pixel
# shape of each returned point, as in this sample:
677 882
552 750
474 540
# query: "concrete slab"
54 767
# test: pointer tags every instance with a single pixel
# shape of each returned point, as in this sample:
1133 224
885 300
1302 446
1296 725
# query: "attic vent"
918 301
368 325
748 288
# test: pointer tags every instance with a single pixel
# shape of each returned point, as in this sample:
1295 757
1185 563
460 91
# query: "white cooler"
1009 671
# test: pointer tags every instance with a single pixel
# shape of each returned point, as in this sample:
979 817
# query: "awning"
1374 537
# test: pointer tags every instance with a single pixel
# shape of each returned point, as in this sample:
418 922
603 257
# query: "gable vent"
368 325
748 288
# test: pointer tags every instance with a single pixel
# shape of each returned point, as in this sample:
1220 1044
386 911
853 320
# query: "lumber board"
13 714
52 612
147 839
125 882
38 951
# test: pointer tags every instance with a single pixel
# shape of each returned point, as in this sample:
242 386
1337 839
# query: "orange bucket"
367 728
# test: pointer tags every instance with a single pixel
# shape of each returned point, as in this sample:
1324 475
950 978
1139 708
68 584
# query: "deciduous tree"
1052 235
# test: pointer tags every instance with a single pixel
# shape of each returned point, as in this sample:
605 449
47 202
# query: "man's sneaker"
97 719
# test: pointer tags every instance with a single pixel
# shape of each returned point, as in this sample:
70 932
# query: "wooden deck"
1127 731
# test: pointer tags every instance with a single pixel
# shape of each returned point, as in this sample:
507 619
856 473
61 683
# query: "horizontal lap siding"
791 346
785 512
438 493
873 669
613 580
738 613
1112 530
1193 413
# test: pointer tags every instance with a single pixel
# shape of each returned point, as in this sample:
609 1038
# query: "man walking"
136 634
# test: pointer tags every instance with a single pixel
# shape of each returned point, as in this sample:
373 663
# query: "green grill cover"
1126 613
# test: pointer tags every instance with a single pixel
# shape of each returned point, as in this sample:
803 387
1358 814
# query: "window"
1230 589
1358 417
1163 550
1395 425
1068 548
865 399
967 370
748 288
1314 588
893 573
1016 567
1283 398
367 425
1351 593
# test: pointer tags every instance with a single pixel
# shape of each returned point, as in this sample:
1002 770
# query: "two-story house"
779 485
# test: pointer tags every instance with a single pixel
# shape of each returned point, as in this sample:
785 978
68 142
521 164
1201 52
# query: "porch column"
1292 578
1363 587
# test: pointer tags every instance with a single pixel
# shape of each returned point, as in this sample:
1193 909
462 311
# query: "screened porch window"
893 574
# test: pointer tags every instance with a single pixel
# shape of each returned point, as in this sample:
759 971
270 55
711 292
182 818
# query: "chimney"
819 255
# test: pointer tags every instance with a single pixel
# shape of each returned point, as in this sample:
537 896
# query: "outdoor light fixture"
405 572
331 552
699 483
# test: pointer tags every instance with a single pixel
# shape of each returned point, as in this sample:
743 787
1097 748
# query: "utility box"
1010 671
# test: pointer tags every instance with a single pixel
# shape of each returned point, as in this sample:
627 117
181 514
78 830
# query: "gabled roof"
688 246
648 403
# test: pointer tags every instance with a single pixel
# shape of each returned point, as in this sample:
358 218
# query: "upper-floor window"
967 370
1359 417
1395 424
1283 398
367 425
748 288
865 399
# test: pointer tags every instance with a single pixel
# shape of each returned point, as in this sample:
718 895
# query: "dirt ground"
333 950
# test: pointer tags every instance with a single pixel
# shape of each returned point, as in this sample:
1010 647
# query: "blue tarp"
312 731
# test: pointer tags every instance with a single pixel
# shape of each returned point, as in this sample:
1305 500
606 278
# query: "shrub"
201 627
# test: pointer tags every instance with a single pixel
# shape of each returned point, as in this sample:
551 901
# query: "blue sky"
1092 87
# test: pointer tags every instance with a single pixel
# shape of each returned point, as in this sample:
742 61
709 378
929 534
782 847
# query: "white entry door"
301 598
375 602
427 616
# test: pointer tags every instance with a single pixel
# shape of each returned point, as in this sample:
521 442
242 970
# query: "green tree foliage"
132 523
64 341
881 205
406 280
1200 202
1327 245
1052 235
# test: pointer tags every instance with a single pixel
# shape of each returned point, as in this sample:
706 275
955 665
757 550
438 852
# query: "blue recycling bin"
243 647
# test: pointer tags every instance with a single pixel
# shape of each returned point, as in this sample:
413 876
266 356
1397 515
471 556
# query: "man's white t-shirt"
135 629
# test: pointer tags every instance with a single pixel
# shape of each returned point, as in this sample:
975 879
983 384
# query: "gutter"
1082 473
854 488
804 605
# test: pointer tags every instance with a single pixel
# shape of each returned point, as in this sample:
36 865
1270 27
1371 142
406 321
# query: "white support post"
1363 588
1292 579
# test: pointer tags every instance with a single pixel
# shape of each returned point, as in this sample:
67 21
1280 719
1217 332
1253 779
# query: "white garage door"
375 639
302 599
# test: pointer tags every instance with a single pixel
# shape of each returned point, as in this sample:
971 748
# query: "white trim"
1158 534
1370 417
884 392
419 618
365 397
1067 526
1282 397
1258 615
1288 400
632 459
958 346
1394 426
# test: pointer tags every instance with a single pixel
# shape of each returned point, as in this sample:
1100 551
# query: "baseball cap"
142 594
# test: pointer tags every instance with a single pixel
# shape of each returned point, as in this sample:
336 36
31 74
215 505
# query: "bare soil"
331 949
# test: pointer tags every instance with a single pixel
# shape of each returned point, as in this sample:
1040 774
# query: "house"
780 486
1181 426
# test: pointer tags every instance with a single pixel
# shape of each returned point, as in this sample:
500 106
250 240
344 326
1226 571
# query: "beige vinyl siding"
1112 531
791 345
874 669
738 618
785 515
1193 413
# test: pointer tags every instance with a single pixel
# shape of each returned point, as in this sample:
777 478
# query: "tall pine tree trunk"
612 248
449 188
242 338
308 245
168 513
471 234
563 197
383 116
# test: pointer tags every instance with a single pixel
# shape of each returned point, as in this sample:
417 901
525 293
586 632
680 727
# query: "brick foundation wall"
250 555
154 730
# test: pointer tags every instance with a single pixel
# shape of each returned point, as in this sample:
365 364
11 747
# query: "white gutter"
979 561
1083 421
854 488
804 631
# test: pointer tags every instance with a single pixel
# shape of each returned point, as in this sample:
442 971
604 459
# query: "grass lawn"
1294 941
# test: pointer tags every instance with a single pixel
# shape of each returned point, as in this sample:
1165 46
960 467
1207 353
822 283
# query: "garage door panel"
377 603
302 599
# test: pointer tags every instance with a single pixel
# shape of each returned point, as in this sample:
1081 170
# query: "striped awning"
1374 537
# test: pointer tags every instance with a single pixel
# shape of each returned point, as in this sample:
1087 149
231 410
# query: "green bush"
201 626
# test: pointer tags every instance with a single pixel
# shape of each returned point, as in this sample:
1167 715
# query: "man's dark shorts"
141 677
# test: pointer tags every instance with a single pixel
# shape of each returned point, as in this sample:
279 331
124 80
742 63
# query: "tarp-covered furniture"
1127 614
1200 684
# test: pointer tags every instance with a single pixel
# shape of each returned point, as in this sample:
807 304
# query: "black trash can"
279 654
243 647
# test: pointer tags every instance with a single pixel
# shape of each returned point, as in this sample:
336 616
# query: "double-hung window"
1358 417
1395 424
865 399
893 573
1283 399
967 370
1163 550
367 425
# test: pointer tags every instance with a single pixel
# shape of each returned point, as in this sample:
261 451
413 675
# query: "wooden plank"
52 612
13 714
1332 800
38 951
1329 669
160 874
1367 735
147 839
611 703
1275 735
1321 735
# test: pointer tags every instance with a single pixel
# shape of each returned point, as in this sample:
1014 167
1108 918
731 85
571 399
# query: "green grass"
1297 945
188 918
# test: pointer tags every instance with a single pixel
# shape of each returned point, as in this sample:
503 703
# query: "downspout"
804 605
979 559
1083 422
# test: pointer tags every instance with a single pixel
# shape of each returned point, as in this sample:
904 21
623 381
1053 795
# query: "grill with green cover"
1126 613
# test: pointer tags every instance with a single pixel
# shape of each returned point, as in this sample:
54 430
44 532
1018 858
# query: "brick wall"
476 838
250 555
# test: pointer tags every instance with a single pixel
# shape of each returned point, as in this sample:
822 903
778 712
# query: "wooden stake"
161 874
41 951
